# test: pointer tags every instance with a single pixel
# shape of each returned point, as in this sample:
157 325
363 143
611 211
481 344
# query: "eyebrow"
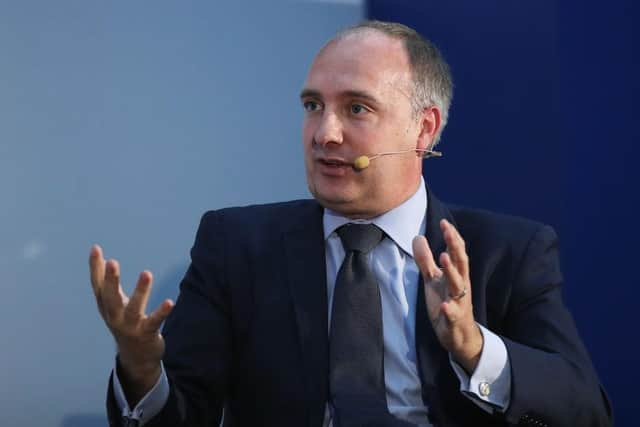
312 93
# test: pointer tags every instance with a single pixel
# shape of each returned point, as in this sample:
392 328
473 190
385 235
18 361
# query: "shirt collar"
401 223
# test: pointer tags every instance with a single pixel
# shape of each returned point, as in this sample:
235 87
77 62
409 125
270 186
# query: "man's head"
373 88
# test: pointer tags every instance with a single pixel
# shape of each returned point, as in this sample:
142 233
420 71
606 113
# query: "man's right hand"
140 344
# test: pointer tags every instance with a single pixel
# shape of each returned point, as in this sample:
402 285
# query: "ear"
430 122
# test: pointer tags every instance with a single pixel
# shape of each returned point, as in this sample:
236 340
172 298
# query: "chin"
344 204
331 199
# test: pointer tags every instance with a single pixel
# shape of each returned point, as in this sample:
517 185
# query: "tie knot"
359 237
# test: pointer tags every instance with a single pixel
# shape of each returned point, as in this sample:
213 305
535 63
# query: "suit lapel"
432 358
304 262
306 273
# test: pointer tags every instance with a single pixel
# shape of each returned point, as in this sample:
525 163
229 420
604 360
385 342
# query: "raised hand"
448 296
140 344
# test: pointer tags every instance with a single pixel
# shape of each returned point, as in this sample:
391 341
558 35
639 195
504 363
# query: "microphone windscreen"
361 163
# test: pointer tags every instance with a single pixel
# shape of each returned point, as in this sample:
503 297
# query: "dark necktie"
356 373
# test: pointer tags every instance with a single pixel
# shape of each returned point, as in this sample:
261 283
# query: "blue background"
122 122
542 126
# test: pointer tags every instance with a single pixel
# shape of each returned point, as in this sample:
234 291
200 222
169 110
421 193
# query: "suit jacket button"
484 389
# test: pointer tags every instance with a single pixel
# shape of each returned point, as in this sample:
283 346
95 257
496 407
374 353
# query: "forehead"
366 60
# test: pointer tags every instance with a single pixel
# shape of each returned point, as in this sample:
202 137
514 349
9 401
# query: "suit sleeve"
198 339
553 380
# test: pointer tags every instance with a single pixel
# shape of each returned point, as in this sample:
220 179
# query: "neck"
373 213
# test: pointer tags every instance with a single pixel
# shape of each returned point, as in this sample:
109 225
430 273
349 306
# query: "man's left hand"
448 297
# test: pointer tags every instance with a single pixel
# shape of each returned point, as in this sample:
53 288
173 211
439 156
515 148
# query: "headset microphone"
362 162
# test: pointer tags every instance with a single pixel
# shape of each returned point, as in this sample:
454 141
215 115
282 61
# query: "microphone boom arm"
362 162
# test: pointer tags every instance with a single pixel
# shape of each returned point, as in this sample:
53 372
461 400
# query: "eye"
310 106
358 109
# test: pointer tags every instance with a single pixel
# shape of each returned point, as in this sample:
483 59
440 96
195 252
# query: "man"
303 313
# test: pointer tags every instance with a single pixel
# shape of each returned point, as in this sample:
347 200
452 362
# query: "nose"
329 130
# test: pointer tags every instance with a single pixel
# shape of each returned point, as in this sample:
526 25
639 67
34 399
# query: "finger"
424 258
455 247
155 319
138 303
452 311
112 293
454 244
96 268
123 297
455 283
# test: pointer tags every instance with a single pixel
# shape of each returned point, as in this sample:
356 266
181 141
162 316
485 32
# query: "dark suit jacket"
249 330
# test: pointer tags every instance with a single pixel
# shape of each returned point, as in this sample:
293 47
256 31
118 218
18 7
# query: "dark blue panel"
502 140
598 75
542 126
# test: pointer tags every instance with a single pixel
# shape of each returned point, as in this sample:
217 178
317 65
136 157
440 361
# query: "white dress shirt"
398 276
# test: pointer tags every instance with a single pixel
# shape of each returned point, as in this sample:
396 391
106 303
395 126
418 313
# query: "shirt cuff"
150 405
489 386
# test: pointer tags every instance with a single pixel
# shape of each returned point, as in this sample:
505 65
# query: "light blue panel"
121 123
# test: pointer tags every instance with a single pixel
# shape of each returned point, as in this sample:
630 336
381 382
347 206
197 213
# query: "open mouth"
333 163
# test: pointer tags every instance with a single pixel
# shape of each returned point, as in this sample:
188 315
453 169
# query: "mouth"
333 162
334 165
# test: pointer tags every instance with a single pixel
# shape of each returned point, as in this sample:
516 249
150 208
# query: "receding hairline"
360 31
430 72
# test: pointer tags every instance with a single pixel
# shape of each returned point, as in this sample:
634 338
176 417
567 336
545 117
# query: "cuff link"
484 388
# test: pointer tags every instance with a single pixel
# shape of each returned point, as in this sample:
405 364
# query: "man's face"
357 102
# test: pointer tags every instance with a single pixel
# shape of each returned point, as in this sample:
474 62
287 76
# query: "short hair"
432 81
